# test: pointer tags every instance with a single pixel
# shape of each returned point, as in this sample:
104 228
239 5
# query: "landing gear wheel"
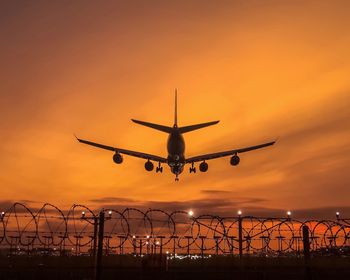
192 168
159 169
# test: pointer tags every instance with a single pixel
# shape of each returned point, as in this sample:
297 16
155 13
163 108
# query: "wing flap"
123 151
228 153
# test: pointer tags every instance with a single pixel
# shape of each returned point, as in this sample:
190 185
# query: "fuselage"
176 151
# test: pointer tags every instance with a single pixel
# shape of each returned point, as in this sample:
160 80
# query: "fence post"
306 243
306 250
240 236
99 246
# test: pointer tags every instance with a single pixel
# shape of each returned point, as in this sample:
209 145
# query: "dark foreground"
130 268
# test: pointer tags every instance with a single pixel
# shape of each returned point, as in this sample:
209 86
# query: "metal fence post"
306 250
306 242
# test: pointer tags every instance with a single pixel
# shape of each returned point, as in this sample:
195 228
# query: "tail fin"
189 128
175 118
163 128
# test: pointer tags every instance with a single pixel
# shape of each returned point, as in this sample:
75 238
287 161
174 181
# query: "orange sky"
266 69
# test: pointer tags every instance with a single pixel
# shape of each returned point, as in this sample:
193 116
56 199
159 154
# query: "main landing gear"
159 168
192 168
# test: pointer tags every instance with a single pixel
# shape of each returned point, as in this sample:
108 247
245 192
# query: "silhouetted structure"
176 149
51 231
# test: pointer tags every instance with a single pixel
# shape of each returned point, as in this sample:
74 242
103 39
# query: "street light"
337 214
190 213
2 215
239 212
289 213
110 213
83 214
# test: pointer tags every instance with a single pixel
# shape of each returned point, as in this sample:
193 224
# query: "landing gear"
177 178
159 168
192 168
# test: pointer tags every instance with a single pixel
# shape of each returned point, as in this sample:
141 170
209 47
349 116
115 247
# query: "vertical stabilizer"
175 119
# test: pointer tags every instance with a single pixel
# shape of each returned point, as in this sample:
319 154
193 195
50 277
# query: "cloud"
214 207
215 192
112 200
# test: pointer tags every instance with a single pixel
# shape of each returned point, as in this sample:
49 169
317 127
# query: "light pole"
240 233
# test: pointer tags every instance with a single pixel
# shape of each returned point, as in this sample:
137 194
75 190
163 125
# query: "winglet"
76 137
175 117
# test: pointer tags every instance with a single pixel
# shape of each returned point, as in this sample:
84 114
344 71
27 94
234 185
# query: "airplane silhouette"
176 149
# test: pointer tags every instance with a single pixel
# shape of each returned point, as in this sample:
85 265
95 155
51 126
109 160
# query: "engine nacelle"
203 167
149 165
235 160
117 158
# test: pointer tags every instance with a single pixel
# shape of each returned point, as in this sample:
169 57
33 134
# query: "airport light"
190 213
2 215
110 213
239 212
157 243
289 213
83 214
337 214
133 237
147 236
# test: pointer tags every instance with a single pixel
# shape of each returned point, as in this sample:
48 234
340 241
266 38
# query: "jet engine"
235 160
117 158
203 167
149 165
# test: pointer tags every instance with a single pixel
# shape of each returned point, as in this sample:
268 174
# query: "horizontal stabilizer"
163 128
189 128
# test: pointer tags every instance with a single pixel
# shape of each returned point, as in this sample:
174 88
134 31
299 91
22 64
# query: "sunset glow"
266 69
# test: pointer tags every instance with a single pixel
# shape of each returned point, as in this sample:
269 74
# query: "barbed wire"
140 232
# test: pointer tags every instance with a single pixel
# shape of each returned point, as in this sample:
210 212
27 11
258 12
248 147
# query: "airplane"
176 149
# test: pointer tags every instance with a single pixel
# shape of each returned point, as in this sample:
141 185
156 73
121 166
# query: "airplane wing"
123 151
227 153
